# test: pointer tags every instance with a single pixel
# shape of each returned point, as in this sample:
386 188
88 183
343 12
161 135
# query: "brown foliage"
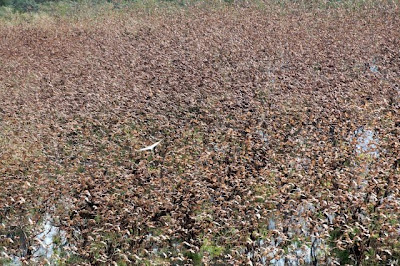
257 111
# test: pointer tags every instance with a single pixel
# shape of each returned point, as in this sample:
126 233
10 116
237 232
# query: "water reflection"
47 244
263 136
50 239
297 253
366 142
373 68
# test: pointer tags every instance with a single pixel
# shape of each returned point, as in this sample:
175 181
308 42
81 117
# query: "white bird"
151 147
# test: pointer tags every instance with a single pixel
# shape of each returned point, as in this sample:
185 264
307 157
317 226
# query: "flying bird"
151 147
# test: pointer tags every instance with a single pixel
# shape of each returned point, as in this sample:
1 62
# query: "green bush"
6 2
25 5
6 11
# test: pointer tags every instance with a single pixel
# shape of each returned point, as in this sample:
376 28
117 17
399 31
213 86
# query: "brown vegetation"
258 112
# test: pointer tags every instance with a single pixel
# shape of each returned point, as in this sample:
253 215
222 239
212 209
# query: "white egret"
151 147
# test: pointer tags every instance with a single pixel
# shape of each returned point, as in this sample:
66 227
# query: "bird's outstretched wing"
151 147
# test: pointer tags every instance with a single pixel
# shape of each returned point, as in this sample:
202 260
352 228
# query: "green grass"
194 257
211 248
6 262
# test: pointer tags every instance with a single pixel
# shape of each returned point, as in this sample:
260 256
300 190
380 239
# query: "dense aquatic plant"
260 113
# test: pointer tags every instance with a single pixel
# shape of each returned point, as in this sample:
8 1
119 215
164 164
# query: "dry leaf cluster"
259 112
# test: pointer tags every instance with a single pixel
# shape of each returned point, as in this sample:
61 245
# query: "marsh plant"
279 123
